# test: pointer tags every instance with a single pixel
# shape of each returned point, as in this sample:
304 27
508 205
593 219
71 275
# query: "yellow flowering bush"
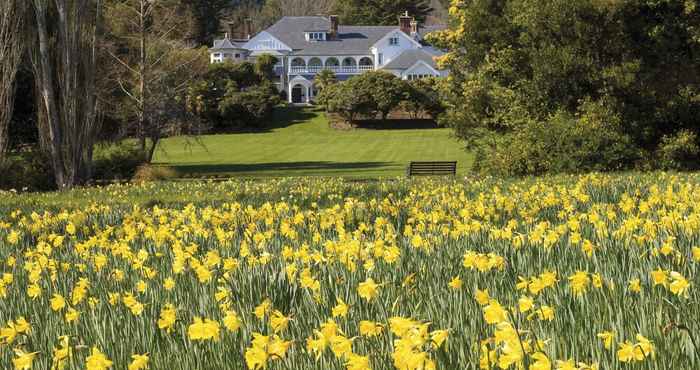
560 273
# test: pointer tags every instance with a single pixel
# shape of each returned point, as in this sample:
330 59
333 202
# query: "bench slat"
432 168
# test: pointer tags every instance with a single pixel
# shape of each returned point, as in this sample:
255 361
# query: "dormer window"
394 41
315 36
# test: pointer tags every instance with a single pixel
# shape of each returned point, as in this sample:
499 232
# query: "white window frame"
315 36
380 59
394 41
414 76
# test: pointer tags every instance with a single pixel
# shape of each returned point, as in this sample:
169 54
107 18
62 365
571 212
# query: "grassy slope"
302 144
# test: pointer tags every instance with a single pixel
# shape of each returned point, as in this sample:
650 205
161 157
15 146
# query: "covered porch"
301 90
339 65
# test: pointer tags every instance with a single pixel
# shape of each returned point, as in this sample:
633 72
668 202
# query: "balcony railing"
335 69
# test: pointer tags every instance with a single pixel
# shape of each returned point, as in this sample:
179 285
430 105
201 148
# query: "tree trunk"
65 74
12 16
141 128
152 149
48 95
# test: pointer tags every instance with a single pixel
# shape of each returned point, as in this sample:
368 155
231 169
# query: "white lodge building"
304 46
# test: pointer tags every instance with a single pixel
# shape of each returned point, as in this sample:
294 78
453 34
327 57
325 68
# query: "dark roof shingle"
410 57
351 40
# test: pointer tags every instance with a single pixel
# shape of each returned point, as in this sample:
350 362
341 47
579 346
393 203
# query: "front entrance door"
297 94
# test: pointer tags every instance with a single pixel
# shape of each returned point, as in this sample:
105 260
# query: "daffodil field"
569 272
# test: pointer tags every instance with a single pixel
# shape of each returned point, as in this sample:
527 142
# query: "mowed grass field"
299 142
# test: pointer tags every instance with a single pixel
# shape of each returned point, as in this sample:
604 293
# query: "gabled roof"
424 30
409 58
351 40
227 43
399 32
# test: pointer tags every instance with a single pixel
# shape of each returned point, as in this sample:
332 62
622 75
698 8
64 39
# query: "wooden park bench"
431 169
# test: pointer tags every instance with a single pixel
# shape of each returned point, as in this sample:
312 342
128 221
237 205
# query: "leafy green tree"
423 97
207 14
265 66
346 100
385 89
323 80
633 66
232 95
381 12
248 107
369 94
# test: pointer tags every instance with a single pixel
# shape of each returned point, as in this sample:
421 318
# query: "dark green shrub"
232 95
385 89
562 144
29 171
117 161
367 95
249 107
423 98
348 99
679 151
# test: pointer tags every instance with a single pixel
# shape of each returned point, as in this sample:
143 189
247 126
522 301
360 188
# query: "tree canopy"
381 12
629 68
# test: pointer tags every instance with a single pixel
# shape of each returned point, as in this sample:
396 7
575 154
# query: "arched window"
333 64
315 65
349 64
298 65
366 64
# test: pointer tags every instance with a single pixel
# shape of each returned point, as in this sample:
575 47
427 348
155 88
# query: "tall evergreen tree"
207 14
381 12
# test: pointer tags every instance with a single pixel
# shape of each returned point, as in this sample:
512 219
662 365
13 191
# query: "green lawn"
300 143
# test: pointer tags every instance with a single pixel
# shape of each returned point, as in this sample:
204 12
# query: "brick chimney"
231 29
405 23
414 29
247 28
335 24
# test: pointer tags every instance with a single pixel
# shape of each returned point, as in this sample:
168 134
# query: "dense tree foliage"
423 98
234 95
379 93
381 12
607 74
207 15
324 79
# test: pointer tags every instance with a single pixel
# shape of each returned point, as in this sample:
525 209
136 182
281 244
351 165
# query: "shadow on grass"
283 168
288 116
282 116
397 124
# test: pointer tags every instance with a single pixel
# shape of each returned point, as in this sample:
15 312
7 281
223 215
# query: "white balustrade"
335 69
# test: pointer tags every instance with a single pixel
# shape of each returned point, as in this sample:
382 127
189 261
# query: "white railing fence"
335 69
